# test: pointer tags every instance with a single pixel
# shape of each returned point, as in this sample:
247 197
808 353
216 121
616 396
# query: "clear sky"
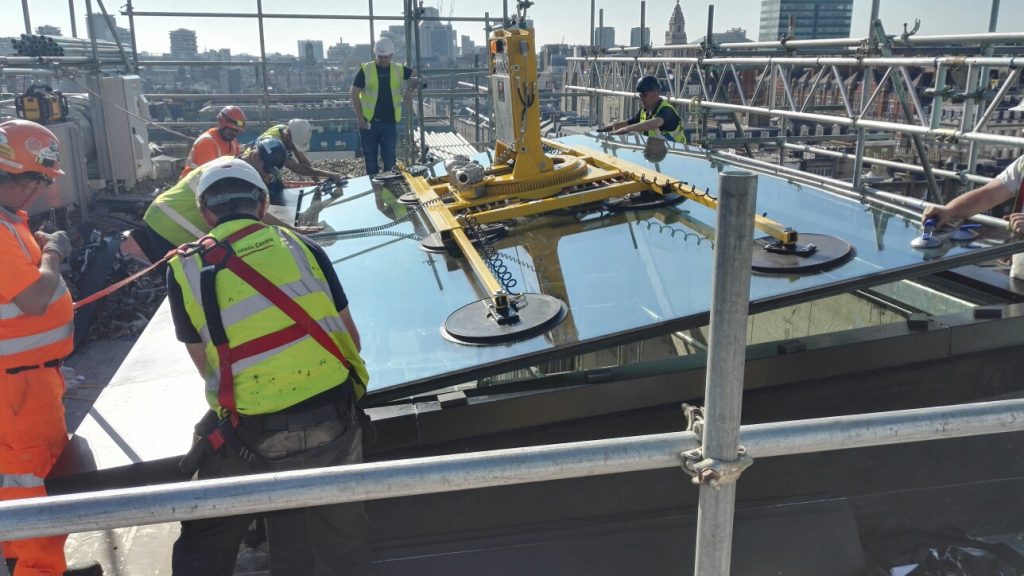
555 19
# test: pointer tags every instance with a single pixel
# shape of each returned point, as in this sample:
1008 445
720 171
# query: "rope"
122 283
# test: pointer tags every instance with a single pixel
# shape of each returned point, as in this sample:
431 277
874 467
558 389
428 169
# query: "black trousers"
318 541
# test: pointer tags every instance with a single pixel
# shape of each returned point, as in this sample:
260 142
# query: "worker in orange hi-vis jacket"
221 140
36 324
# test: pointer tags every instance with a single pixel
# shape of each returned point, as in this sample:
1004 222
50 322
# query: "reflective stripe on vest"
39 339
677 135
174 214
276 131
12 346
180 220
272 379
20 481
368 95
12 311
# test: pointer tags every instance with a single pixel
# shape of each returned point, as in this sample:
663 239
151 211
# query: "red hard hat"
29 147
231 117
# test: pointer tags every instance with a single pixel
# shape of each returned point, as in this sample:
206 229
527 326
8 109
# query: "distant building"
676 33
554 55
636 40
467 45
732 35
220 55
102 27
812 19
604 37
437 40
46 30
183 43
311 49
125 36
338 52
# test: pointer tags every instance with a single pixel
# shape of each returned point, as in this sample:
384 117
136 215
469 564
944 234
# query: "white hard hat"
384 47
231 168
302 133
1019 107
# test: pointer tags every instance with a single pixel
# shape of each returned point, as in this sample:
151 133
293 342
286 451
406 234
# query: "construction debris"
350 167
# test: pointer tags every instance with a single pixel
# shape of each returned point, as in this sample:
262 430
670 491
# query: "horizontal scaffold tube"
879 61
941 133
288 490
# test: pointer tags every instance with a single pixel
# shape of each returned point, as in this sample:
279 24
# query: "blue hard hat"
272 153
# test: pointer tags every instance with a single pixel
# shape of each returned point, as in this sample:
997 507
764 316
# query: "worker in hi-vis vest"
36 334
173 218
296 136
265 319
221 140
656 116
377 99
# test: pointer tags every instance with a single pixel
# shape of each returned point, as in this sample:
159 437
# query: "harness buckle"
214 252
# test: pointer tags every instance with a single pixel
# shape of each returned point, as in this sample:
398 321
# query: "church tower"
676 33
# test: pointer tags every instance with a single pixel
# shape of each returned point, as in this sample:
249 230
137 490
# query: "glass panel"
616 272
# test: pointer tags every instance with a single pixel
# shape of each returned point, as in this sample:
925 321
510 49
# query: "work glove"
56 242
306 230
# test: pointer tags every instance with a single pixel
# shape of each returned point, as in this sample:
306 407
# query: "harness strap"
220 256
1018 203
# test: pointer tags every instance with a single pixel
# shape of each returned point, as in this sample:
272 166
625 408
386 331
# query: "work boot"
90 568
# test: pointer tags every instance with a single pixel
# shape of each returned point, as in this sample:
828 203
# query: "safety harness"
216 256
1018 202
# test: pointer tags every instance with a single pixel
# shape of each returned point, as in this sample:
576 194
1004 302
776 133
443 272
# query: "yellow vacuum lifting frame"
530 176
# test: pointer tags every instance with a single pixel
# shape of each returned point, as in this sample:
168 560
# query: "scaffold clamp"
712 472
709 471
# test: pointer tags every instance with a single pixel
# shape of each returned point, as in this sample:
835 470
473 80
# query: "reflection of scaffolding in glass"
814 90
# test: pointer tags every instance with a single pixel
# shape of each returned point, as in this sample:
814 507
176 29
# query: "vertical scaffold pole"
723 397
28 19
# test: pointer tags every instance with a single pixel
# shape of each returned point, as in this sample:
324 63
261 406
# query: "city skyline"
282 34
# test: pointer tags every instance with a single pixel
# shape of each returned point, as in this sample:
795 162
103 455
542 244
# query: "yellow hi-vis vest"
368 95
292 372
174 214
277 131
677 135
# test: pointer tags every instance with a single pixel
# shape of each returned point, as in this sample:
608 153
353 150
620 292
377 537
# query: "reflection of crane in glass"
540 237
530 176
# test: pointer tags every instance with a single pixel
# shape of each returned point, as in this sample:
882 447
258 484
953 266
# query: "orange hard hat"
231 117
29 147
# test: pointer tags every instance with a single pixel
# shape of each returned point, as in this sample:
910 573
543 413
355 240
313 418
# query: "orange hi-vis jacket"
207 147
27 340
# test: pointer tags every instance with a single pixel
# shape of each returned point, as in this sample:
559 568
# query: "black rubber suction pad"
477 324
646 200
435 243
409 199
813 252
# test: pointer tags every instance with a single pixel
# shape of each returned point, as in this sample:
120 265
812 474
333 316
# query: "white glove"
56 242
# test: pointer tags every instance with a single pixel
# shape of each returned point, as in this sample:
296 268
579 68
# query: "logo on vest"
257 246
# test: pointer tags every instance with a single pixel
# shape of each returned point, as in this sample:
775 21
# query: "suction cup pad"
813 252
476 324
